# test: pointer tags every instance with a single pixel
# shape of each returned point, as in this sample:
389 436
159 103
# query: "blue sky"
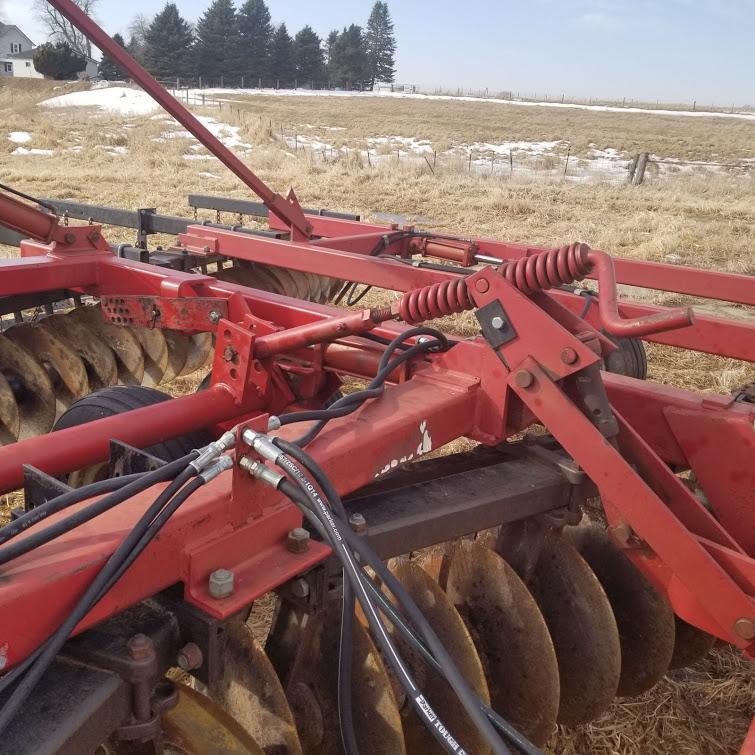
668 50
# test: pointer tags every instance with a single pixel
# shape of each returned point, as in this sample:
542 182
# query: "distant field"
698 219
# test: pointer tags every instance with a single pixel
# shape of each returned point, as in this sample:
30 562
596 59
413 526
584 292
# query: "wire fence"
518 160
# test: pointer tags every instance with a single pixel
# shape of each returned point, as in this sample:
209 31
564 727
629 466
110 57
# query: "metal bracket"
194 313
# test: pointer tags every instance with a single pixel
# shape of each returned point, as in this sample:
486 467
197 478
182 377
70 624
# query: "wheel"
116 399
629 359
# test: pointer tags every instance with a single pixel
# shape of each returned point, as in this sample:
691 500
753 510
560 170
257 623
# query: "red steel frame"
704 562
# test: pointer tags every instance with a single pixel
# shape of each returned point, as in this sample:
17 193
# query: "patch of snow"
504 148
122 100
33 151
101 84
19 137
205 174
75 149
194 156
113 150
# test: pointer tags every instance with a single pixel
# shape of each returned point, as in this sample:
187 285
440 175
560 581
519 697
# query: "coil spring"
444 298
556 267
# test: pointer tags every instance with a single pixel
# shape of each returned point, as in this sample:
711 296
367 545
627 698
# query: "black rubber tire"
629 359
122 398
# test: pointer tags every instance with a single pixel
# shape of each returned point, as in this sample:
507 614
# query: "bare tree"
137 30
60 28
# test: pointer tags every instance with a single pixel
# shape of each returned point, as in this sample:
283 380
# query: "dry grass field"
708 221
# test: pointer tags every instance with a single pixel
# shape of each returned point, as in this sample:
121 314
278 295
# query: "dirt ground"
708 221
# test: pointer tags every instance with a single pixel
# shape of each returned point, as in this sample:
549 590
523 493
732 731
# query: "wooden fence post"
566 165
642 162
633 168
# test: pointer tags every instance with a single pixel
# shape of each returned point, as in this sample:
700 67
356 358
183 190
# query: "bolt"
94 236
298 540
206 249
221 583
229 354
524 378
299 588
69 238
744 628
358 523
190 657
140 647
569 356
621 532
214 317
481 285
498 322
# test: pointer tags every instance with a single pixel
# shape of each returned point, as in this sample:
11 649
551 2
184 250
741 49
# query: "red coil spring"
445 298
556 267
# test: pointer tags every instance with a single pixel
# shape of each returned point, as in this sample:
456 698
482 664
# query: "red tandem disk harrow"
600 532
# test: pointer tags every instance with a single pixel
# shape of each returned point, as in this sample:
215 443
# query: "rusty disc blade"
155 348
10 421
62 362
179 346
94 473
197 726
249 691
200 351
31 386
452 632
644 616
98 358
312 691
119 338
251 277
290 282
511 638
583 628
691 644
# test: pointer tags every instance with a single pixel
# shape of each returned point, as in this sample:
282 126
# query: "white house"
16 53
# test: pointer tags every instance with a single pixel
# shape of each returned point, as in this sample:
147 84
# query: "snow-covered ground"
118 99
19 137
197 93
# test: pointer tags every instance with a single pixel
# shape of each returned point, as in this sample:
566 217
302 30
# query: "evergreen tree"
282 63
217 46
168 45
58 61
349 65
330 43
308 55
255 37
108 68
381 44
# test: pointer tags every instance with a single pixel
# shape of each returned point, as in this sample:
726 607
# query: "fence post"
511 163
178 83
469 167
566 166
221 80
642 163
435 157
633 168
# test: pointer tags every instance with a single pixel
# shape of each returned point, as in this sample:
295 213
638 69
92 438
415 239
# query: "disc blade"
643 616
583 628
10 421
312 691
197 726
290 282
178 353
155 348
200 351
121 341
690 645
64 365
31 386
249 690
511 638
450 628
98 358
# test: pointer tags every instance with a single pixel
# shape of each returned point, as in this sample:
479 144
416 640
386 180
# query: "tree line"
242 46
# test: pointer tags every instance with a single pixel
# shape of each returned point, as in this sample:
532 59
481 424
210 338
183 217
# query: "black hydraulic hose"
146 480
110 572
305 496
443 660
62 501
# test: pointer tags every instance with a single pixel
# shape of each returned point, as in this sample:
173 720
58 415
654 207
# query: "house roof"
23 55
5 28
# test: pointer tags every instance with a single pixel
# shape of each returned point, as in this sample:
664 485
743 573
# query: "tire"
117 399
629 359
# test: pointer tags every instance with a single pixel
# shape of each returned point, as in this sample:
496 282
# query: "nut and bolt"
481 285
140 647
745 628
358 523
229 354
69 238
221 583
190 657
524 378
298 540
569 356
214 317
299 588
498 322
622 533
